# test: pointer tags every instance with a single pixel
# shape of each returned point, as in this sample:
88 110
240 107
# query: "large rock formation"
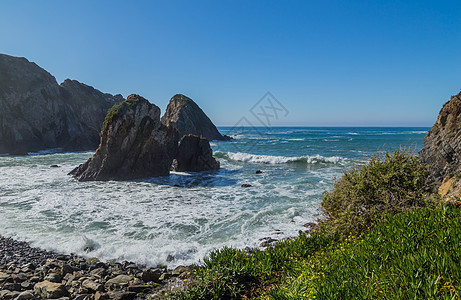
188 118
36 113
194 154
442 144
134 144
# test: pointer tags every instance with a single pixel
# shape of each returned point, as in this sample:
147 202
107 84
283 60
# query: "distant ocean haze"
186 215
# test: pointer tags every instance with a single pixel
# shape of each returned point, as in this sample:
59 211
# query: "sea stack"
442 144
188 118
134 144
194 155
36 113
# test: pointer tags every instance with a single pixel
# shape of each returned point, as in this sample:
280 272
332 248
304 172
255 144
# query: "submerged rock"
36 113
134 144
188 118
268 241
442 144
194 155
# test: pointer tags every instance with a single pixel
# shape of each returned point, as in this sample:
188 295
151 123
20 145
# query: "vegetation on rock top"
120 108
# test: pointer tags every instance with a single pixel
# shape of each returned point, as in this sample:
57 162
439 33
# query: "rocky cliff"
36 113
194 154
134 144
86 109
188 118
442 144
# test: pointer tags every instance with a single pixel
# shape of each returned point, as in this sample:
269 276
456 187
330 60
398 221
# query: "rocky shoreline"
32 273
27 272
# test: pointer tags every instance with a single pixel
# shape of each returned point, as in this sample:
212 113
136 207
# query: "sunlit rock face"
188 118
442 144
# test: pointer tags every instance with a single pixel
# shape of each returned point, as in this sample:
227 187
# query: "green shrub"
389 183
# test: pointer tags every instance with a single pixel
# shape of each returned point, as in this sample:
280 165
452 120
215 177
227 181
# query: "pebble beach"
31 273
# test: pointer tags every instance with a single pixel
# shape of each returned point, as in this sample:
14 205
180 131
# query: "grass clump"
389 183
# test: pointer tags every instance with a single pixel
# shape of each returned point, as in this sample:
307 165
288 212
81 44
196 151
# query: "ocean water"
187 215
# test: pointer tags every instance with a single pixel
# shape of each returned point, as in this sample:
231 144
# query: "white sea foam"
237 136
404 132
272 159
145 221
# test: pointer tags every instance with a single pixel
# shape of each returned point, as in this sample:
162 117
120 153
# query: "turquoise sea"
178 219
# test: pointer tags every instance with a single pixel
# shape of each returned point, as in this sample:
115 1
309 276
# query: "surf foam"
272 159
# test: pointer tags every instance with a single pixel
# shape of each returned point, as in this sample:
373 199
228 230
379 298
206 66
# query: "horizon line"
332 126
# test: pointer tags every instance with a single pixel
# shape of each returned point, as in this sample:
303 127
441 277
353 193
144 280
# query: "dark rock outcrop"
442 144
194 155
134 144
188 118
36 113
87 108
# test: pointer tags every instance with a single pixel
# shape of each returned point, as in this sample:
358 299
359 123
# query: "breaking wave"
271 159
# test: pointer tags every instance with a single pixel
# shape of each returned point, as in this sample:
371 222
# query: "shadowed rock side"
134 144
442 144
188 118
36 113
87 109
194 155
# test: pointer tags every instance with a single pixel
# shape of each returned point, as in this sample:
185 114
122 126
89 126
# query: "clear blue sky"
329 62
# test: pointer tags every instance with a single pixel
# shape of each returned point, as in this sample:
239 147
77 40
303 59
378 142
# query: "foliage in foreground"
389 183
234 274
413 255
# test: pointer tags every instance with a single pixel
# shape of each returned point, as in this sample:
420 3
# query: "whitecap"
272 159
